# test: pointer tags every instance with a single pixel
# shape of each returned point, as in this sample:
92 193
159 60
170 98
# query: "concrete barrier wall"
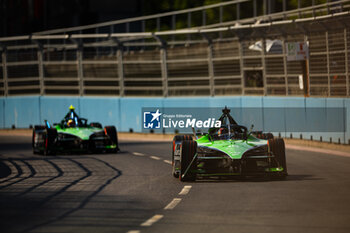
125 113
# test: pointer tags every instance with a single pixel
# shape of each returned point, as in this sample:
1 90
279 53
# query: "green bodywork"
228 150
74 134
82 132
233 148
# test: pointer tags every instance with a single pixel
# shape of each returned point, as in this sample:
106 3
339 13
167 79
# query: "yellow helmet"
71 107
70 123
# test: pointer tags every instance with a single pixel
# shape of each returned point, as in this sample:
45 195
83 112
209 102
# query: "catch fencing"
236 55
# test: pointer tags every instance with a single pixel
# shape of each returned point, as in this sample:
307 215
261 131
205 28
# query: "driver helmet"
223 130
71 123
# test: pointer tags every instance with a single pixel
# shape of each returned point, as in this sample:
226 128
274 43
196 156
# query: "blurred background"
27 16
120 56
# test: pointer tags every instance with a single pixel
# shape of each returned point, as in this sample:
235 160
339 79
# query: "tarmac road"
133 191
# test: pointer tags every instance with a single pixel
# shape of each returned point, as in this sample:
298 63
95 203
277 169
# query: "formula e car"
74 134
230 150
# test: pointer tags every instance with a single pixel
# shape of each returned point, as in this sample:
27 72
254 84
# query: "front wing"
217 163
71 143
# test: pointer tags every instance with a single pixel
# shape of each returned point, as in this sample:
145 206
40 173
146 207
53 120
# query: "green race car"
228 151
73 134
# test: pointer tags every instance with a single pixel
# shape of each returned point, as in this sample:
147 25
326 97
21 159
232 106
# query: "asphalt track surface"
133 191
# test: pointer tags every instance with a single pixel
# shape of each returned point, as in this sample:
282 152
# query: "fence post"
220 20
255 8
204 17
328 67
173 25
346 62
164 68
211 67
263 62
240 51
80 68
307 70
4 69
163 64
285 66
189 24
120 70
41 68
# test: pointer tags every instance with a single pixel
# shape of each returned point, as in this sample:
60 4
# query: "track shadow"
5 171
34 203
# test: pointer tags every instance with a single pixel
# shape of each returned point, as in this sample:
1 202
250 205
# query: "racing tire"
188 151
35 132
179 139
96 125
278 148
50 137
111 132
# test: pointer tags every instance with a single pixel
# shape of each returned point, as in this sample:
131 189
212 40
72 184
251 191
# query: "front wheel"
188 153
278 148
178 139
112 134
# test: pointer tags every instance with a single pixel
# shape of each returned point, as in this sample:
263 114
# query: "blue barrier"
21 112
347 113
130 112
2 113
105 110
295 115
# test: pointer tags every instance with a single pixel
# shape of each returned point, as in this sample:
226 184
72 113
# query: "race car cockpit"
229 128
73 120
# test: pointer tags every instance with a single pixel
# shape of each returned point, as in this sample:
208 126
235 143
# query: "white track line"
168 162
133 231
152 220
185 190
138 154
172 204
155 157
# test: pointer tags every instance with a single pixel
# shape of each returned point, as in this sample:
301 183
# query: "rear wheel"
188 151
50 137
111 132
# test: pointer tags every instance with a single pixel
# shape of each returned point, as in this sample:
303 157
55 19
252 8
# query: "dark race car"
74 134
230 150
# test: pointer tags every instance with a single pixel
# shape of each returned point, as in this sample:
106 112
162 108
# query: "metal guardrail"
206 60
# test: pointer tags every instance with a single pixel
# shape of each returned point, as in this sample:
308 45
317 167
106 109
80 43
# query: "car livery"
230 150
74 134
